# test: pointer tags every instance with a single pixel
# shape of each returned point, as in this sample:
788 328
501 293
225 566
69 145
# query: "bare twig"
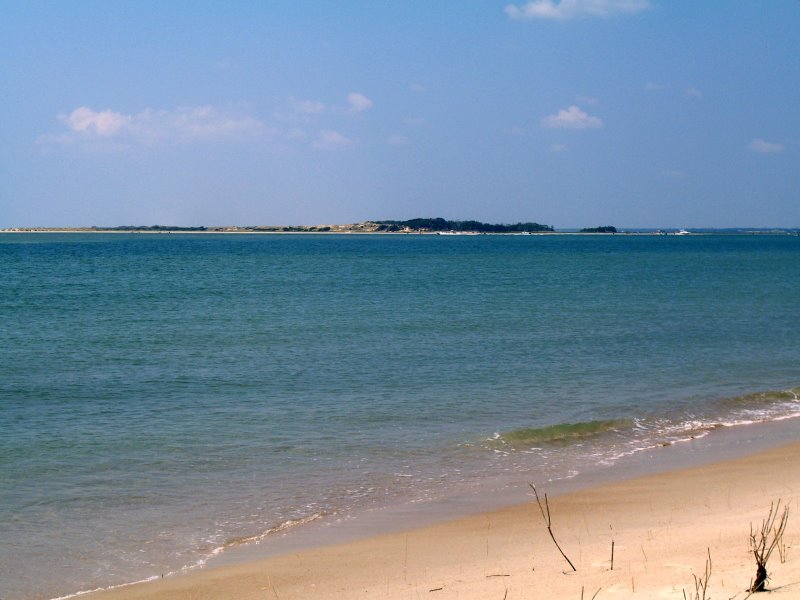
545 510
595 594
782 552
764 541
701 583
612 555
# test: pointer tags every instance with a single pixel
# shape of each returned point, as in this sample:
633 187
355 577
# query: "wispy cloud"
358 102
556 148
183 125
308 107
653 86
571 118
329 139
693 92
764 147
571 9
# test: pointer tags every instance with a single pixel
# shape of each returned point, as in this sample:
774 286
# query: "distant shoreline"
343 231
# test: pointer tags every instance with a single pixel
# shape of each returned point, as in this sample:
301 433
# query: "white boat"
682 232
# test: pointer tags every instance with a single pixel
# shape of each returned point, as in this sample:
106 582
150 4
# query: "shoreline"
702 476
779 232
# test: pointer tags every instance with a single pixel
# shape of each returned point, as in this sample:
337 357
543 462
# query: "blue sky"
637 113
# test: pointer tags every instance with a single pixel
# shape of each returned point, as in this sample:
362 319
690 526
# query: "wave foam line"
253 539
747 409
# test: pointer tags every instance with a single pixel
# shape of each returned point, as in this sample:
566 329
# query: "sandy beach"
662 528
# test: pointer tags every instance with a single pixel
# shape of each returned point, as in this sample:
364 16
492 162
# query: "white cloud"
694 93
571 118
397 140
764 147
104 123
184 124
556 148
417 87
652 86
330 140
570 9
358 102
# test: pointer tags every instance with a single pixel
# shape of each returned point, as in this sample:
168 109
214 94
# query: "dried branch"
594 595
701 583
612 555
764 541
545 510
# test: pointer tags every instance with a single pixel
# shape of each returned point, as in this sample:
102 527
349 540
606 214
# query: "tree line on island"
150 228
440 224
412 225
434 225
603 229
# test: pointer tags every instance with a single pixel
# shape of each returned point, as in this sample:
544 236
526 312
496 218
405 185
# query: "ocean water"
163 397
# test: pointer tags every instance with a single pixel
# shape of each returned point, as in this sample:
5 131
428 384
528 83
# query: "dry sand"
662 527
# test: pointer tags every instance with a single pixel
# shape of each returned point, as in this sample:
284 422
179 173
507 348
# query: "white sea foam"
202 561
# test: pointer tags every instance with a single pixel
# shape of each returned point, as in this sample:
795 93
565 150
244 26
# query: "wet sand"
662 527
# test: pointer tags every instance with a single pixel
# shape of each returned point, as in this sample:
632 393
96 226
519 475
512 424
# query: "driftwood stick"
612 555
545 510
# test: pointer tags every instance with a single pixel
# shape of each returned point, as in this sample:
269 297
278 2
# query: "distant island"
603 229
440 224
435 225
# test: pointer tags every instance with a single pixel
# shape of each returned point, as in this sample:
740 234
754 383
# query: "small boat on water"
681 232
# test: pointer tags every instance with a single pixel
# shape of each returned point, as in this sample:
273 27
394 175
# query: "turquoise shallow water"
162 396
